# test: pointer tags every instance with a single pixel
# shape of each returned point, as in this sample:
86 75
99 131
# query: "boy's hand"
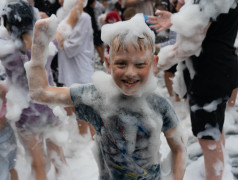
161 21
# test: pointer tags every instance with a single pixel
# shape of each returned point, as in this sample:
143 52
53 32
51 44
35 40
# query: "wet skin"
130 69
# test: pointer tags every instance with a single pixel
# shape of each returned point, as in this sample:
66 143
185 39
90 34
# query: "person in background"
165 5
114 15
47 8
98 44
232 100
33 120
180 4
99 9
128 13
141 6
8 144
216 73
76 57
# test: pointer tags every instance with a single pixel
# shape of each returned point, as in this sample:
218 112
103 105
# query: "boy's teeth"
130 82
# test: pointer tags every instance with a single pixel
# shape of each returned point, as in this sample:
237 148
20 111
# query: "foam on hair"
120 43
134 31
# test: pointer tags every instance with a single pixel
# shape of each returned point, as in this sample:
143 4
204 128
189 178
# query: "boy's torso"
128 131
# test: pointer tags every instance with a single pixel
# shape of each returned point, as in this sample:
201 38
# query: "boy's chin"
128 93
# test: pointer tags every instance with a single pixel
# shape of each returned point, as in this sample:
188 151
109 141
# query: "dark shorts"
207 124
173 69
201 91
97 38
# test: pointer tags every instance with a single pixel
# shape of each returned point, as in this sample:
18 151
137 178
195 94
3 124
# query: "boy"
125 110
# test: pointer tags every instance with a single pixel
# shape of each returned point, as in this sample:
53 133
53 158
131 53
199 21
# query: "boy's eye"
120 64
140 65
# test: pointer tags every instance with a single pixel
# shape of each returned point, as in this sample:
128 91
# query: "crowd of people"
49 50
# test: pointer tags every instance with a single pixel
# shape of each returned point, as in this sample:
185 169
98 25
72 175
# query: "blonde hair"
140 43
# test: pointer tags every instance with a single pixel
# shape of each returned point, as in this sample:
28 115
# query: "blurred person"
232 100
114 15
213 74
164 5
76 57
180 3
99 9
141 6
129 13
47 8
8 144
98 44
33 120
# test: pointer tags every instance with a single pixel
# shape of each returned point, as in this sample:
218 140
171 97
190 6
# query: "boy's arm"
179 155
40 91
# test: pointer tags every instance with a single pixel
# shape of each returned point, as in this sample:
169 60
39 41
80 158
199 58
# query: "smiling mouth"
130 83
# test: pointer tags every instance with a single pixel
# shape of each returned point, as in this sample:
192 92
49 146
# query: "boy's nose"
131 71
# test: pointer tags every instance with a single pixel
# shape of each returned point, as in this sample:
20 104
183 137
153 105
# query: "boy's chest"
129 130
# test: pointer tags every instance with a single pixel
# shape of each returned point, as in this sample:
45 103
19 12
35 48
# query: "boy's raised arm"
44 32
176 143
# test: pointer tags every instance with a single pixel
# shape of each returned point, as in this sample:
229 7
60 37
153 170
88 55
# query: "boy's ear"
156 60
108 65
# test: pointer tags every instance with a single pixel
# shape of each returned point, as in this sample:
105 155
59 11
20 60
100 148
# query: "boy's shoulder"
83 92
83 88
156 100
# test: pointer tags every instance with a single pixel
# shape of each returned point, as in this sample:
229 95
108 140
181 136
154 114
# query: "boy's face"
130 69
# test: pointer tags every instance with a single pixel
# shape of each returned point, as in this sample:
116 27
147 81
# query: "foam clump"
134 28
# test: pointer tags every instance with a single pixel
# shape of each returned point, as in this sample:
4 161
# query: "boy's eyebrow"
141 61
136 60
119 59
